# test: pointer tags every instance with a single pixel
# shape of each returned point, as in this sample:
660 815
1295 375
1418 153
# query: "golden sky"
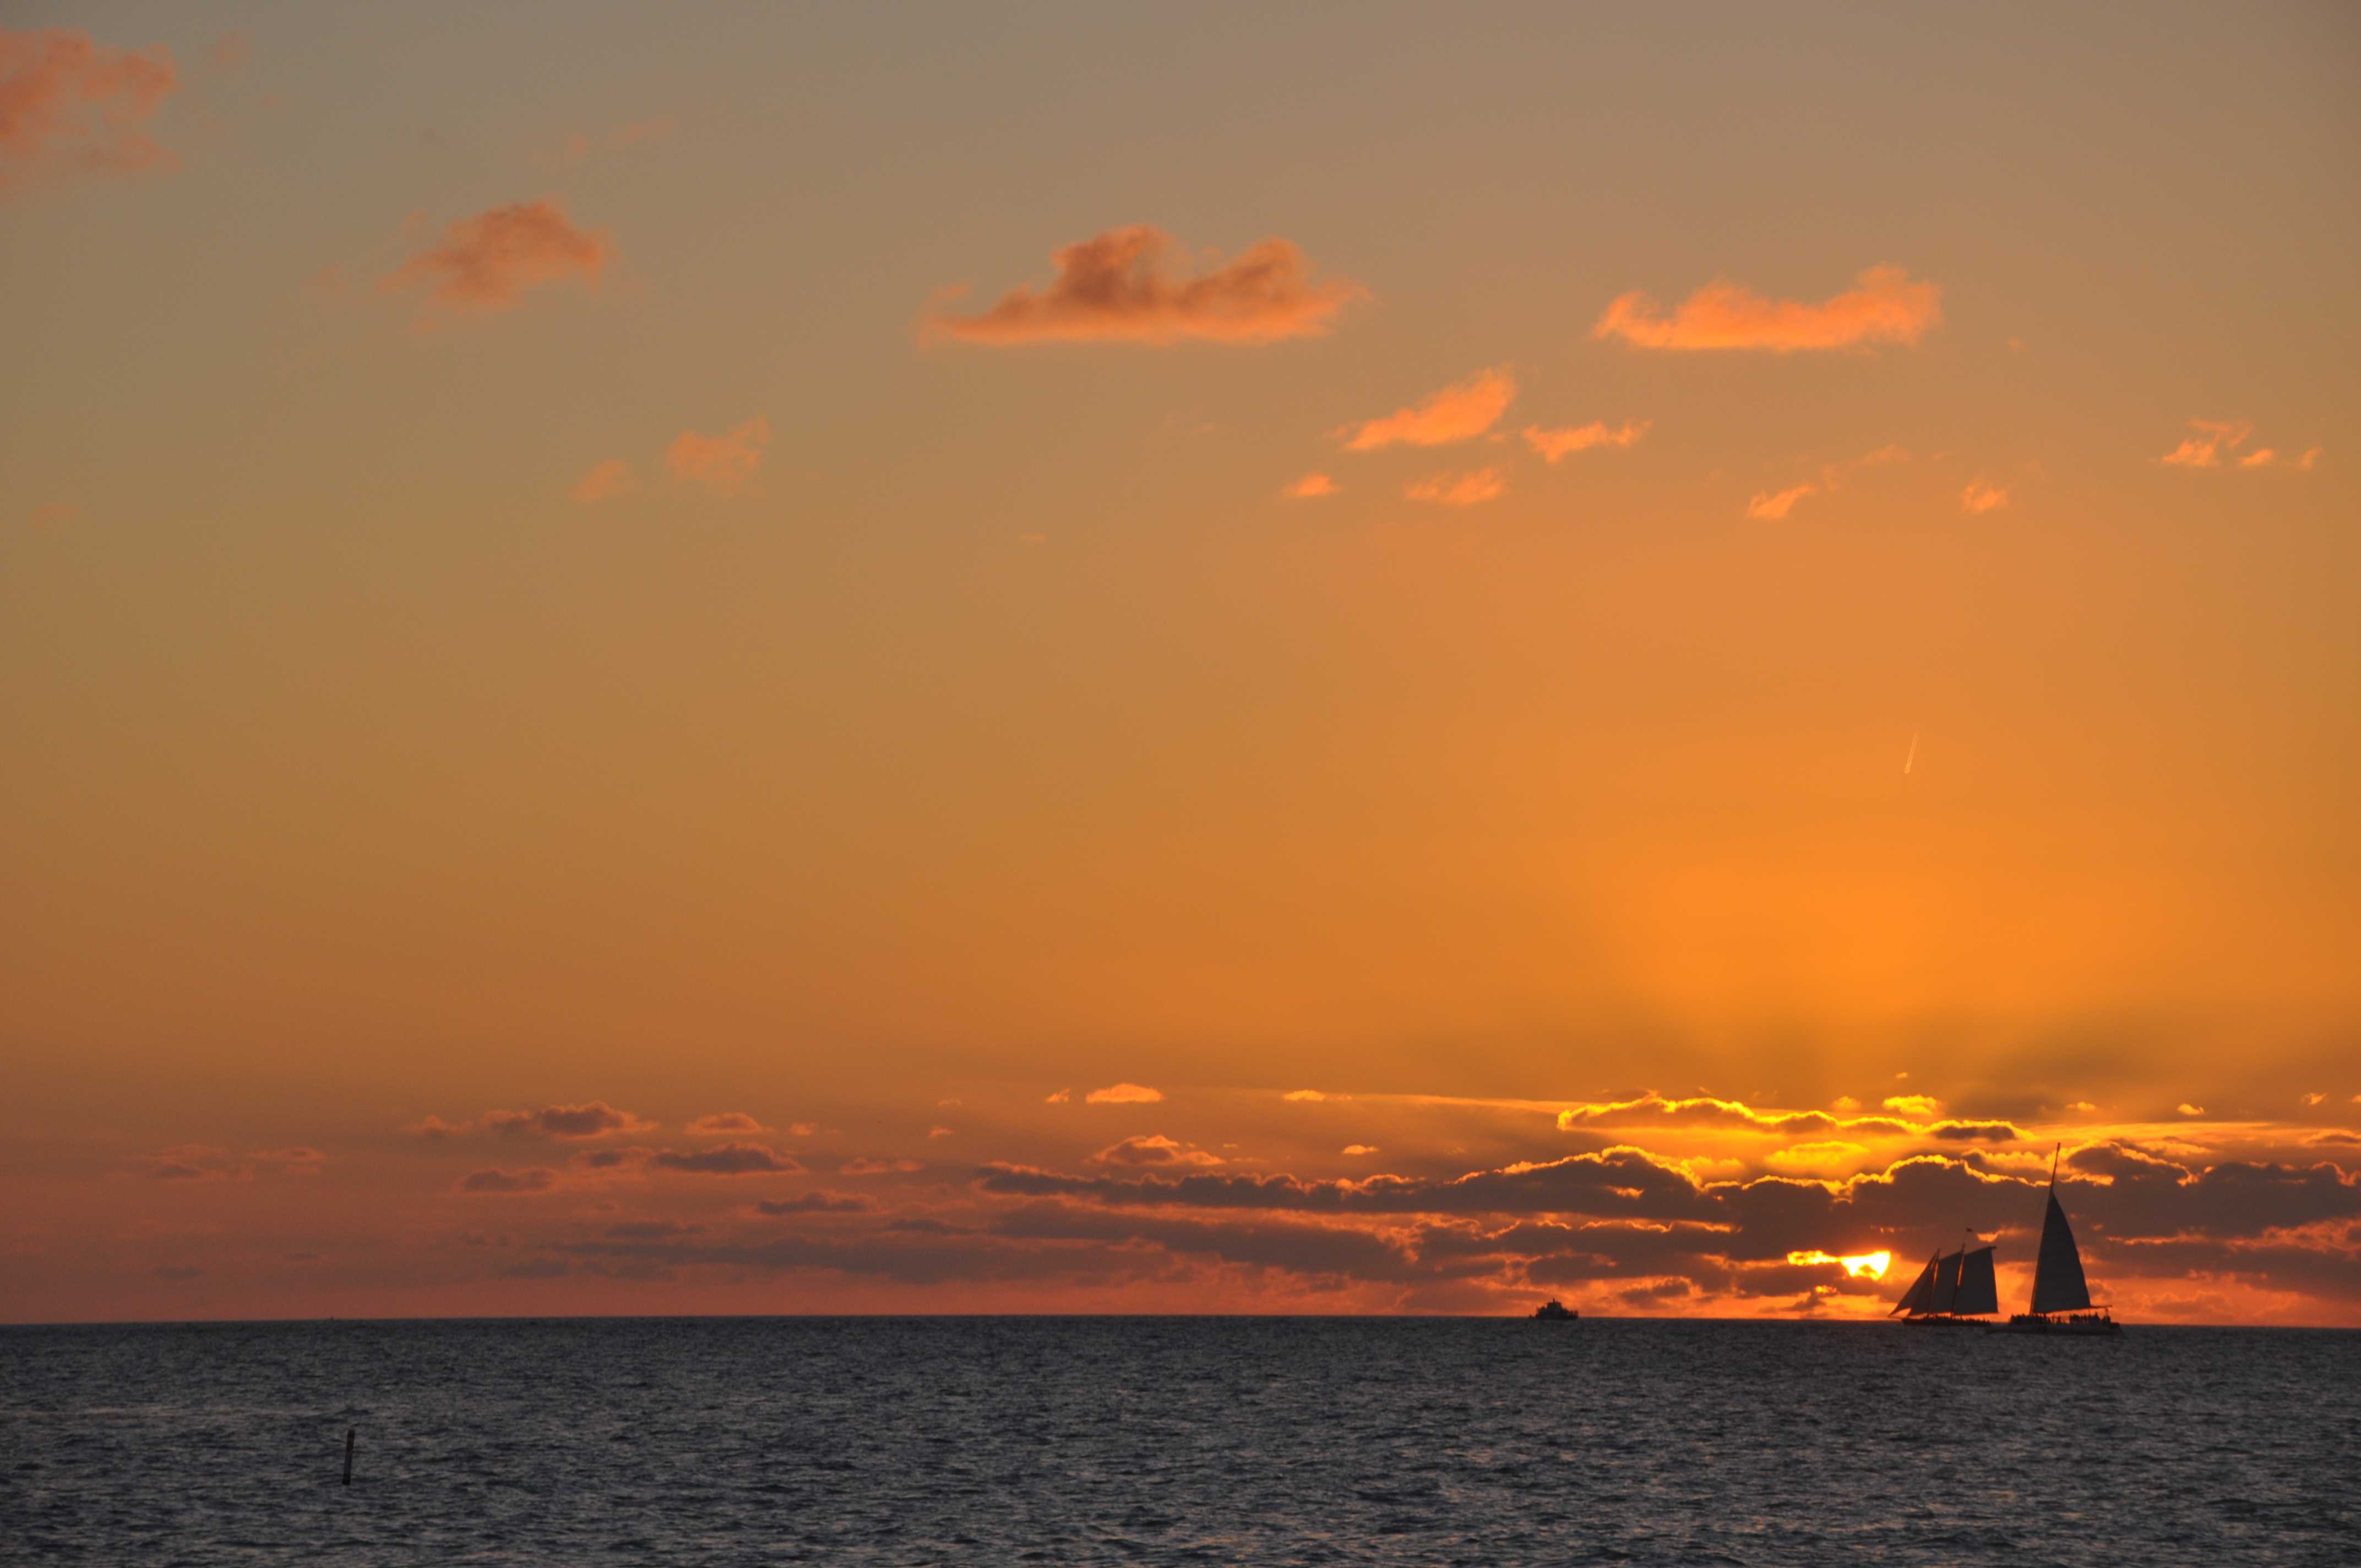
1350 659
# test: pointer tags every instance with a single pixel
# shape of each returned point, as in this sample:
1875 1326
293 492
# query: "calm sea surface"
992 1441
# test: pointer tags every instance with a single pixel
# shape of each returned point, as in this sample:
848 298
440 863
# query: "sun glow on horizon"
1872 1264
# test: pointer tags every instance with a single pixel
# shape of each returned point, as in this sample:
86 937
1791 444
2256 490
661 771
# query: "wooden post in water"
349 1453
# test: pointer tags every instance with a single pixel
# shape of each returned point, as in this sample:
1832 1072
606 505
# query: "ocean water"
1174 1439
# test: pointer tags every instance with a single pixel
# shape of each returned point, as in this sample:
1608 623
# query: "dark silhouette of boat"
2061 1296
1556 1311
1951 1289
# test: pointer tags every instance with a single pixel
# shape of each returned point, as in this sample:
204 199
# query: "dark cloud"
817 1203
1611 1181
539 1269
727 1159
532 1178
593 1120
651 1230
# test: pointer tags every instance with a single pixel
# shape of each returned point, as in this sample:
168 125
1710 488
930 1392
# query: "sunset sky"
1345 659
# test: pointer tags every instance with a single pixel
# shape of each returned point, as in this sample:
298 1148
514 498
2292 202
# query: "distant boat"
2061 1297
1556 1311
1951 1289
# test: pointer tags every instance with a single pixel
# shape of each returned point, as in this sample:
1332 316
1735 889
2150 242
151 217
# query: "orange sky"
638 661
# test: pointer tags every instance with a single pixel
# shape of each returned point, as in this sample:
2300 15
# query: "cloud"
205 1162
2204 449
532 1178
595 1119
1472 488
1885 306
1461 411
1566 440
1154 1150
1360 1148
611 477
1305 1095
1889 453
1979 497
1912 1104
724 465
649 1230
1312 486
863 1164
727 1159
1124 286
940 1131
493 259
2186 1109
177 1271
2266 457
70 105
1058 1097
722 1122
1124 1094
1770 506
818 1203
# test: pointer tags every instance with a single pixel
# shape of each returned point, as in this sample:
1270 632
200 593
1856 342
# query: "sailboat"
1951 1289
2061 1297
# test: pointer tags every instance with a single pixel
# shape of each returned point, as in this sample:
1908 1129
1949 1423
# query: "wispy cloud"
1773 505
490 261
1979 497
1885 305
722 465
1124 1094
611 477
2204 449
532 1178
1312 486
70 105
1567 439
1472 488
1128 285
1461 411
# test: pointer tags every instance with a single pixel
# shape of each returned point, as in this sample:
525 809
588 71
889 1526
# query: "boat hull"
1944 1320
2076 1327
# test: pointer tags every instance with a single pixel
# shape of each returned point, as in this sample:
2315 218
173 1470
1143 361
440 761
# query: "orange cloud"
2204 449
1468 489
70 105
1120 287
1303 1095
725 1121
490 261
1311 488
1887 306
1564 441
725 464
1979 497
611 477
1912 1104
1461 411
1124 1094
1155 1149
2266 457
1771 506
